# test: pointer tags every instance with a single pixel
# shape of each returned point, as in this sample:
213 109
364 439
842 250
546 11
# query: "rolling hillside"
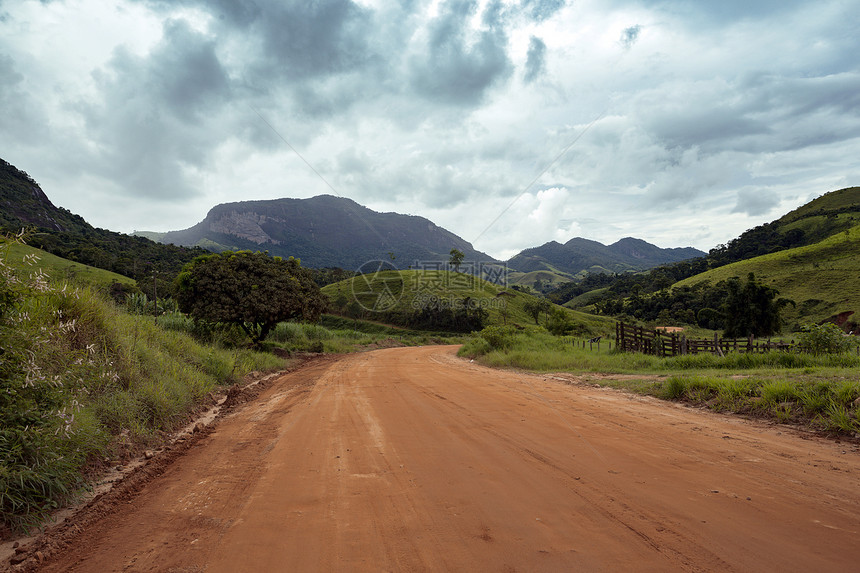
821 278
58 268
394 294
823 217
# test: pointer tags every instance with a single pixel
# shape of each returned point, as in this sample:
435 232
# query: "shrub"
499 337
674 389
826 338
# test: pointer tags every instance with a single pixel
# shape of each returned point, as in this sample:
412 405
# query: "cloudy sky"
680 122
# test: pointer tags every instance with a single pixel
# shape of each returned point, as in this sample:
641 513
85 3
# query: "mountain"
580 256
24 205
326 231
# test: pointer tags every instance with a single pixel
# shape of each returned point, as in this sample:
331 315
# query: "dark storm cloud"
296 39
186 72
314 38
535 60
232 13
158 113
456 68
321 57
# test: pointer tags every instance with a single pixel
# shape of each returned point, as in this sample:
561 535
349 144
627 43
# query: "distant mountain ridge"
325 231
579 256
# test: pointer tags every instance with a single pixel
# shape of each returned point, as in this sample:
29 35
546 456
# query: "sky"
509 123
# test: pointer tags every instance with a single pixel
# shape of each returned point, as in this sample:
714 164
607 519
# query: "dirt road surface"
411 459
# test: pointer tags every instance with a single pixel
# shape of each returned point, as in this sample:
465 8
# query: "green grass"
413 288
820 278
546 277
821 392
25 260
82 381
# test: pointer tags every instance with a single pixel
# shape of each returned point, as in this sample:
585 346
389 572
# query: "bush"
826 338
499 337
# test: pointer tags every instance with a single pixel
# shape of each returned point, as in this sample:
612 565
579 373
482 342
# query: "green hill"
823 217
395 296
61 269
547 279
821 278
23 205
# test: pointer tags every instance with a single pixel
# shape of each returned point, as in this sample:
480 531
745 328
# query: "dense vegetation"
739 308
250 290
82 381
446 300
62 233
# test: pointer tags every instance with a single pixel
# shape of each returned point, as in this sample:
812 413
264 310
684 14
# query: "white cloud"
683 123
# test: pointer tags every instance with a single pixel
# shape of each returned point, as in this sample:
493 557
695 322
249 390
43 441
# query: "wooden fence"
660 343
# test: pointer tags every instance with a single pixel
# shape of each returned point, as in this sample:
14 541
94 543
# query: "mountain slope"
823 217
23 204
821 278
579 256
325 231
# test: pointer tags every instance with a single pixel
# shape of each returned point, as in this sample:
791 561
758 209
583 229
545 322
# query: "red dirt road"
410 459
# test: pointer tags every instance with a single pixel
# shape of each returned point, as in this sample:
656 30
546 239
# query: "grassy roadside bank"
83 383
821 392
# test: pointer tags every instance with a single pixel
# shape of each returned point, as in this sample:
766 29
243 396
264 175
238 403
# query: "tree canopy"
456 259
250 290
752 309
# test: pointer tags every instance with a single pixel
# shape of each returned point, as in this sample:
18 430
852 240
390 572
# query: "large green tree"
456 259
251 290
752 309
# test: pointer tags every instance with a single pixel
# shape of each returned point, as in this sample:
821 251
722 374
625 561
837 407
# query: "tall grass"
822 391
81 380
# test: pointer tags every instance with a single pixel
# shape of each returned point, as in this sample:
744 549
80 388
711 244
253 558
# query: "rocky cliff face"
246 226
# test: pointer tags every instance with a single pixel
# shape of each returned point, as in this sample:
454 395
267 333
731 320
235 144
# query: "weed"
777 392
674 388
79 377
